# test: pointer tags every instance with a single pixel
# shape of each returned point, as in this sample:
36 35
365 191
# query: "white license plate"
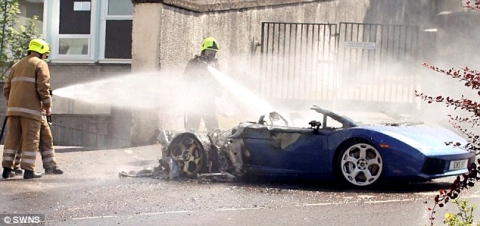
459 164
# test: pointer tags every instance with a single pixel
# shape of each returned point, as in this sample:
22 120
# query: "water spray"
145 90
256 105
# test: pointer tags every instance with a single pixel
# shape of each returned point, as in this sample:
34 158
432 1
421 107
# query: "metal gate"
297 61
349 62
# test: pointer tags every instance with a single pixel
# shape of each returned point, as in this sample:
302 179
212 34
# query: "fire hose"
3 128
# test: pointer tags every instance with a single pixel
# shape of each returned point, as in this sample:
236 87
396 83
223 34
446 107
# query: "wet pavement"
92 193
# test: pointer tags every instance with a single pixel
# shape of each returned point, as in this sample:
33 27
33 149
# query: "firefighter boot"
28 174
6 172
53 170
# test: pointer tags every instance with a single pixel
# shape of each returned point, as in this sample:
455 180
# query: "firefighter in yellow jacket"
27 93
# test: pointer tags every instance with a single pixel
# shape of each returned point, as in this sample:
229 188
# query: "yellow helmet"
39 46
209 43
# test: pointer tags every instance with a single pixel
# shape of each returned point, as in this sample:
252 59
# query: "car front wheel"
189 154
360 164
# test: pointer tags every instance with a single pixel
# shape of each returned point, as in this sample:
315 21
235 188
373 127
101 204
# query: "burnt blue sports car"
328 146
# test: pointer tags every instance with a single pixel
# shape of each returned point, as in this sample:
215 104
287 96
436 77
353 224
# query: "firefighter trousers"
46 148
23 134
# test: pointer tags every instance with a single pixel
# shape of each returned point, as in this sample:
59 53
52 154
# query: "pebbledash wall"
166 33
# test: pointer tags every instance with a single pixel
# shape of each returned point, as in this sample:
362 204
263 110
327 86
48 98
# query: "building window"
117 32
73 46
72 29
89 30
120 8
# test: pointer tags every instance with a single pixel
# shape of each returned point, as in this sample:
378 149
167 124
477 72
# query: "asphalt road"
91 193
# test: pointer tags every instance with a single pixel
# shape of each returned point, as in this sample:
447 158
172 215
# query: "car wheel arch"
344 145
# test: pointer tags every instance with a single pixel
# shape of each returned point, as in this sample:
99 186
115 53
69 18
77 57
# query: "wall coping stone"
224 5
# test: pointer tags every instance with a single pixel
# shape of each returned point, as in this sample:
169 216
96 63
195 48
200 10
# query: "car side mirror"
315 125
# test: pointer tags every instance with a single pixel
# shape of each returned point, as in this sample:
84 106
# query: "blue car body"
360 154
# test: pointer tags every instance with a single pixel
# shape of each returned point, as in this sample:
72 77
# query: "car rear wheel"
187 151
360 164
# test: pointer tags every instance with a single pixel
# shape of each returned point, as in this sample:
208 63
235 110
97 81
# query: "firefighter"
202 88
27 93
47 152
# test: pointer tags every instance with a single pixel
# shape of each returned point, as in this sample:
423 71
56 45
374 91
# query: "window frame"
55 55
103 29
96 44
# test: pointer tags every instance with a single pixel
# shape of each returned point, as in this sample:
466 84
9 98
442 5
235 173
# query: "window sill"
115 61
70 61
104 61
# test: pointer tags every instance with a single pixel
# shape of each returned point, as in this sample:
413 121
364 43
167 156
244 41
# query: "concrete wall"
90 125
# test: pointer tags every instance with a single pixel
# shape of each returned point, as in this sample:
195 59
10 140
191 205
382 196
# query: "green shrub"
14 37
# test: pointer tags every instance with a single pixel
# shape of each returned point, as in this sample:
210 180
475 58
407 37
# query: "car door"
284 150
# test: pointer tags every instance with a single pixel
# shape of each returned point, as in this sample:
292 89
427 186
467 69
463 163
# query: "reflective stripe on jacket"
27 88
